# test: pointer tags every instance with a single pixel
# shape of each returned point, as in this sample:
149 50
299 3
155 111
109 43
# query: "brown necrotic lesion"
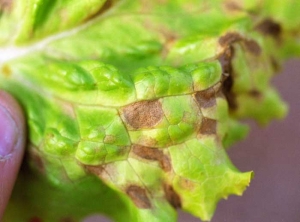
96 170
139 196
208 126
172 197
269 27
153 154
206 98
144 114
227 41
252 47
230 38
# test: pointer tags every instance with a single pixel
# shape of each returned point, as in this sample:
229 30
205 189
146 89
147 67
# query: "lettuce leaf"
131 104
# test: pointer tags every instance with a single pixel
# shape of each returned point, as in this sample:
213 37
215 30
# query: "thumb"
12 143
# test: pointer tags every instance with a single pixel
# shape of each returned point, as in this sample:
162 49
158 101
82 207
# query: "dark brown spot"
230 96
206 98
139 196
269 27
253 47
172 197
144 114
255 93
230 38
208 126
227 80
147 152
96 170
165 163
155 154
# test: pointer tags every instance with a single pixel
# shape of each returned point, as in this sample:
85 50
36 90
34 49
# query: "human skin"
12 143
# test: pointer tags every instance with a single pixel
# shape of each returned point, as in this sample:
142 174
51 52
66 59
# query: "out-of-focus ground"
273 153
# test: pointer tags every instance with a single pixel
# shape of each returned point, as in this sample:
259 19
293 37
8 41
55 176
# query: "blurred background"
273 153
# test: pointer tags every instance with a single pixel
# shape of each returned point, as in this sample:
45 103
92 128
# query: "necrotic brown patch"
230 38
253 47
139 196
96 170
147 152
230 96
269 27
172 197
227 80
206 98
208 126
255 93
165 163
225 59
152 154
144 114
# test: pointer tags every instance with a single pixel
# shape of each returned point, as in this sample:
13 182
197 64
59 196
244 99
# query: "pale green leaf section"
39 18
205 175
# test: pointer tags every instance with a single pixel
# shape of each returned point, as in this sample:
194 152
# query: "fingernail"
8 133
